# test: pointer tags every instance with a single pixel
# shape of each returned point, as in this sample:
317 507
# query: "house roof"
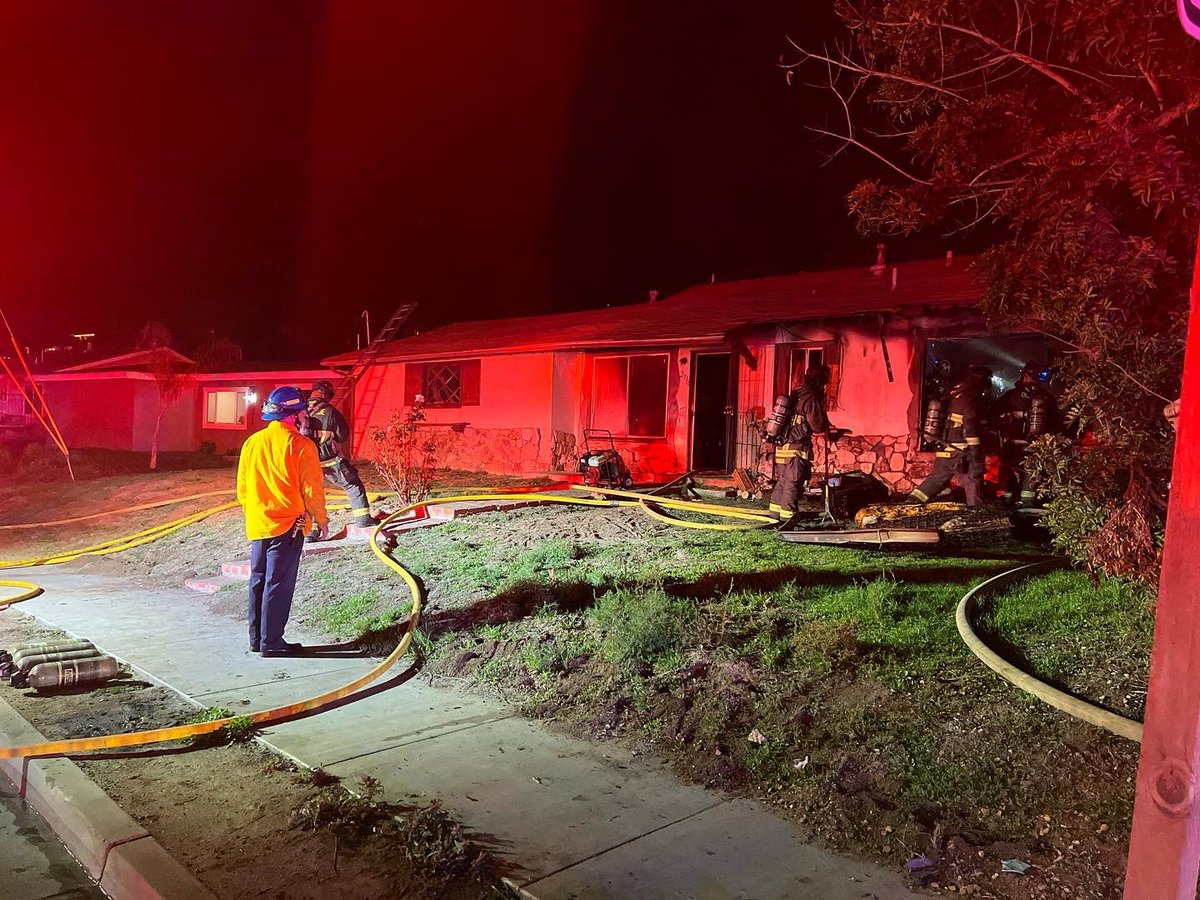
703 312
135 360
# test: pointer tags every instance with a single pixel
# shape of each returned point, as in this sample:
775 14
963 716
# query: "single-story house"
684 383
113 403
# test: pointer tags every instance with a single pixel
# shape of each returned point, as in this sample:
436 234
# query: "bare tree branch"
848 65
850 139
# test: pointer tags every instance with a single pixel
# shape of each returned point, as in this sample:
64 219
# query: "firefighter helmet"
818 374
323 389
283 403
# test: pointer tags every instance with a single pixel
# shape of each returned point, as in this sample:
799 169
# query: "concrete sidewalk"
578 819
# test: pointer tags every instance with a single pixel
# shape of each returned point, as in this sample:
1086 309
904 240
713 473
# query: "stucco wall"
94 413
508 431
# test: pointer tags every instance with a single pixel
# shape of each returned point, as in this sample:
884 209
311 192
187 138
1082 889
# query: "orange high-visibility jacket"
279 480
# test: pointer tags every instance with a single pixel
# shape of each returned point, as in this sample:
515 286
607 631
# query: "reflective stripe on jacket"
279 481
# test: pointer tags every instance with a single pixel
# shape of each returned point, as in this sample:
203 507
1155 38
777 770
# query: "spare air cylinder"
76 672
25 663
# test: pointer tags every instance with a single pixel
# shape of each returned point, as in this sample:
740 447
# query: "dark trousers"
343 474
274 563
790 478
966 465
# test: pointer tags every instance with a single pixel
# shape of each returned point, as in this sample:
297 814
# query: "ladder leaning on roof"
363 364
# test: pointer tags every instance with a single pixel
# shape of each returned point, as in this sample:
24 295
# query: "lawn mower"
603 466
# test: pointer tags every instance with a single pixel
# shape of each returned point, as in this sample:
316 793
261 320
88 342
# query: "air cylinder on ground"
50 647
26 663
71 673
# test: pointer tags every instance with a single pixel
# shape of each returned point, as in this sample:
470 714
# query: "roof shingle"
703 312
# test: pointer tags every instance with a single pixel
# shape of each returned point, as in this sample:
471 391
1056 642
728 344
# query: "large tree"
1071 129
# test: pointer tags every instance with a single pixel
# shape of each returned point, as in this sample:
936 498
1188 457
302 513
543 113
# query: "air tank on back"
780 418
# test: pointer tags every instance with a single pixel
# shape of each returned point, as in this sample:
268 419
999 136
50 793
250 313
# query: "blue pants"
274 563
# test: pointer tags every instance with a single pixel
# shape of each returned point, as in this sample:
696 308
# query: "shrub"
404 461
642 626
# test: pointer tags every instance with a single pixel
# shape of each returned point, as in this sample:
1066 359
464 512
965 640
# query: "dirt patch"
233 814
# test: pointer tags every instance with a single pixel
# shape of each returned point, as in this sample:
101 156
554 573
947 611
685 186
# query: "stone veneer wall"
895 461
498 450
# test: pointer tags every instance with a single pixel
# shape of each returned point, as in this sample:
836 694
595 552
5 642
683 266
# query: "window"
947 360
12 404
629 395
225 407
445 384
793 360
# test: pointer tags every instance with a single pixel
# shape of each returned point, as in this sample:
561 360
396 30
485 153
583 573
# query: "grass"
849 659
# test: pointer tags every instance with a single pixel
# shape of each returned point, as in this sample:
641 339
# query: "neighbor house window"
629 395
12 403
443 384
225 407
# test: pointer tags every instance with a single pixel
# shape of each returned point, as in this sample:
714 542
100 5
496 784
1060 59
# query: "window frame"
225 426
426 370
666 354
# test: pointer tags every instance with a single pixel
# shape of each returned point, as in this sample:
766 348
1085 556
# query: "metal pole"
1164 849
366 314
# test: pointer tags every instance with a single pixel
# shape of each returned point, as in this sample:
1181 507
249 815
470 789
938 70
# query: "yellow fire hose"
267 716
1071 705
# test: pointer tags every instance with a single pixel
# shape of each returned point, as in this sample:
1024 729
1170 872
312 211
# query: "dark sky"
271 169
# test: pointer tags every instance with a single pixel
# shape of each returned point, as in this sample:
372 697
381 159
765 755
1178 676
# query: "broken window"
629 395
947 361
792 360
444 384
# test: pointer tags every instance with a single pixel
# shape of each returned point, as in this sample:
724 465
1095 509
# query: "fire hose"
652 505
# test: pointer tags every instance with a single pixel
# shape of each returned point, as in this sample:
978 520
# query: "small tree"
172 380
405 462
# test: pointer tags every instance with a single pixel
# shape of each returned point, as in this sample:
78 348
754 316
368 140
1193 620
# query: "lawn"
828 682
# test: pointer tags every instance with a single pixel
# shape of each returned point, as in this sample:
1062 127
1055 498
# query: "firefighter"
793 457
328 428
1021 415
960 439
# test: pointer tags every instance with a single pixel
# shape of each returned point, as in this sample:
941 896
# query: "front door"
711 412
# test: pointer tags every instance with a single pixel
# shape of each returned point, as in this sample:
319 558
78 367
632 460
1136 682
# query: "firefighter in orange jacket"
793 457
280 488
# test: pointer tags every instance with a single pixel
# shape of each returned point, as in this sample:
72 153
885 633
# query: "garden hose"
279 713
1072 706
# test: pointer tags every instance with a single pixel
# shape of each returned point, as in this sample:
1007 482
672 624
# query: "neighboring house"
113 403
683 383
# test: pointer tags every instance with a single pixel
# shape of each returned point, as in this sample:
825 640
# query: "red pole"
1164 849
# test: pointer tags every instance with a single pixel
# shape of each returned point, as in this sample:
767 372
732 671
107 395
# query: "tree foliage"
1071 129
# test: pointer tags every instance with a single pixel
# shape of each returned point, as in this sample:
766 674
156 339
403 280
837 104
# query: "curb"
115 851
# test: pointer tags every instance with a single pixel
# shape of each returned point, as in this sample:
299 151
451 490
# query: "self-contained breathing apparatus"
781 417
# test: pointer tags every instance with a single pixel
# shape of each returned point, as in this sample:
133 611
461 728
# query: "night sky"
271 169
